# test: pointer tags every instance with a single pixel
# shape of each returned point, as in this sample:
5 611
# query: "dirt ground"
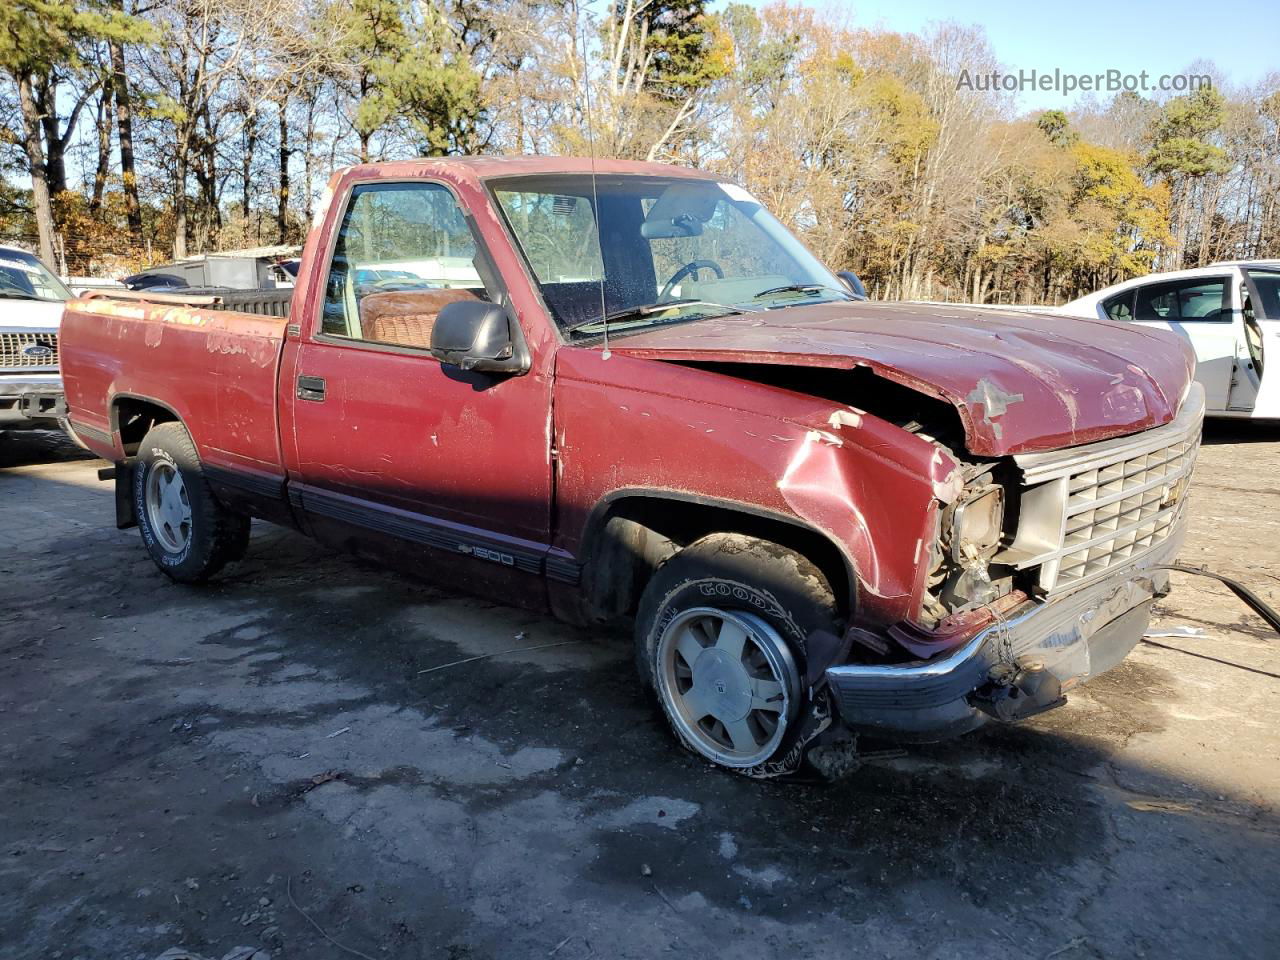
260 763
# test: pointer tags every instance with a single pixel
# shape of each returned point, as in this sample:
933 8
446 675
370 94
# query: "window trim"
490 276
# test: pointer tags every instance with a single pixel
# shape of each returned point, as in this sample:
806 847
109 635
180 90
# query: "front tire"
720 643
189 534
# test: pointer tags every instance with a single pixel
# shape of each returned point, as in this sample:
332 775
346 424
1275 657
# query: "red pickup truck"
625 390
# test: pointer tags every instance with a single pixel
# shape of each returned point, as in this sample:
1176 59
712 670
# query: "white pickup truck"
31 303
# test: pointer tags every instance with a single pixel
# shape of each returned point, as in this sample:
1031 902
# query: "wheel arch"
132 415
631 532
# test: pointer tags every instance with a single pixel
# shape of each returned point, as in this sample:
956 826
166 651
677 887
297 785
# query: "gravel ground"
260 763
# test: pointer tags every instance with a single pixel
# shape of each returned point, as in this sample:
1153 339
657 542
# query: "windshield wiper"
650 308
19 295
802 288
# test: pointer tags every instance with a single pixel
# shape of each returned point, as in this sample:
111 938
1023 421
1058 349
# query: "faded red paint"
530 458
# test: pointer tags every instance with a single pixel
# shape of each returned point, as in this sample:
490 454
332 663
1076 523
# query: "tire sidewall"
695 582
182 564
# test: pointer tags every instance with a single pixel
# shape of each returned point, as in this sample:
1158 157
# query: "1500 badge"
482 553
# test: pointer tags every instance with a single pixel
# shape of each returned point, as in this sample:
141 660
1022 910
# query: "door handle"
311 388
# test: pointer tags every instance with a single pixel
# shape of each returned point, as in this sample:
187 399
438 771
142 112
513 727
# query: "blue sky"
1090 36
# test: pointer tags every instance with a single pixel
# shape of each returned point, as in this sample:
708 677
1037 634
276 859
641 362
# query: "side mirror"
851 281
476 335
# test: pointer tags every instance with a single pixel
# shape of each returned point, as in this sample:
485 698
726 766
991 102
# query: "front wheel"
188 533
720 642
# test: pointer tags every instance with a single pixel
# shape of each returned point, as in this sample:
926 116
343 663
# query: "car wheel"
720 642
188 533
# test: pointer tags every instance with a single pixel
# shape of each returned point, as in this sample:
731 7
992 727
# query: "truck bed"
212 360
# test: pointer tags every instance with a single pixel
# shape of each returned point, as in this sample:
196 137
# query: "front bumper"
1012 668
31 400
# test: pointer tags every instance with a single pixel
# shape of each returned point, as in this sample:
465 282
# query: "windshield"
24 277
674 249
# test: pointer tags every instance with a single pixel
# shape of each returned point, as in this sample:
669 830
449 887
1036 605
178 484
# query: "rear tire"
188 533
720 643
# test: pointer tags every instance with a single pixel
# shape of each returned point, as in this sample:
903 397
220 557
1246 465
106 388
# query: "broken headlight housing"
977 522
970 534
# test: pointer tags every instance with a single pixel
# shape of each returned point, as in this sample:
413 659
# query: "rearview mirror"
850 280
678 226
476 335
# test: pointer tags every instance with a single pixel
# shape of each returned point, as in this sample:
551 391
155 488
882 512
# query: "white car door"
1261 293
1203 311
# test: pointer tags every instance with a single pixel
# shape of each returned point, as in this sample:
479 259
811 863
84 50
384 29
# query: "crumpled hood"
1020 381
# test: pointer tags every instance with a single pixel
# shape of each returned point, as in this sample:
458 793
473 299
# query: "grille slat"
1108 503
1114 512
20 351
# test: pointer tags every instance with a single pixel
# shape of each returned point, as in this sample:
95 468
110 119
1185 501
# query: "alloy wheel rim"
168 507
729 682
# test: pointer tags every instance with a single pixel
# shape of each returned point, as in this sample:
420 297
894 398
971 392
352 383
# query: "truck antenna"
595 193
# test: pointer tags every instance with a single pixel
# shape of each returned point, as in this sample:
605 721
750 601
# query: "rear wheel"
720 642
188 533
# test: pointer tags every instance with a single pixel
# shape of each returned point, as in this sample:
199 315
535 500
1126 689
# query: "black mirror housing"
477 335
850 280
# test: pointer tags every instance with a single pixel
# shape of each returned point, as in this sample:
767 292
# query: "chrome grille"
1087 509
28 350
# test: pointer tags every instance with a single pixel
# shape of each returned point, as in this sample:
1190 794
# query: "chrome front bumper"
31 400
1065 641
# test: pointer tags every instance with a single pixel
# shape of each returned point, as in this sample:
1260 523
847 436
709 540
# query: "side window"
404 250
1119 307
1197 299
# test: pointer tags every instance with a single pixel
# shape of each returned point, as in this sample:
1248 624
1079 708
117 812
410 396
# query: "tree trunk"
36 168
104 150
180 204
282 209
246 173
45 99
365 135
308 162
124 124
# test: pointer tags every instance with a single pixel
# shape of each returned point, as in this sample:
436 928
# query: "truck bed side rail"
262 303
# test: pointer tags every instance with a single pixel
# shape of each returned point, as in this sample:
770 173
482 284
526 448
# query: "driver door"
386 443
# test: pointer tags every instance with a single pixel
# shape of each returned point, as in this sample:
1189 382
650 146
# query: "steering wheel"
688 270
